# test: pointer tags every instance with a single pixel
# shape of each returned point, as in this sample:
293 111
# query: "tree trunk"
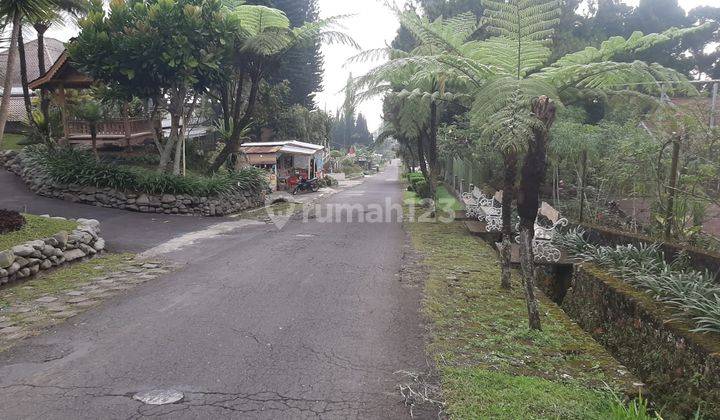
9 67
24 78
421 157
528 202
510 173
166 151
40 28
527 264
432 153
233 143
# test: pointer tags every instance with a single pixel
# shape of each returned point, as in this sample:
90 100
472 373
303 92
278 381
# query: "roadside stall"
285 161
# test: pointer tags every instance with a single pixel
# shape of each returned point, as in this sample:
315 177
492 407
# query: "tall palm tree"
515 92
14 11
262 36
425 92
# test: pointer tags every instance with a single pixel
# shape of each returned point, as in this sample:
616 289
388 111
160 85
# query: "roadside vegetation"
490 364
70 166
35 227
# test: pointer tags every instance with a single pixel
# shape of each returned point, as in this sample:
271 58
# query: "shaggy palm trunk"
24 78
10 65
583 175
533 175
510 173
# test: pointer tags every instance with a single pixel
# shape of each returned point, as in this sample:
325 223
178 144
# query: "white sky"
372 26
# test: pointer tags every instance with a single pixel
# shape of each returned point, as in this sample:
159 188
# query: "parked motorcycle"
306 185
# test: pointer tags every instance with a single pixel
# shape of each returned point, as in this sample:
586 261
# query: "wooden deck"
118 132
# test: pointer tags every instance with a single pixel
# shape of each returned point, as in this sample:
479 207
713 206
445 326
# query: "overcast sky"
372 26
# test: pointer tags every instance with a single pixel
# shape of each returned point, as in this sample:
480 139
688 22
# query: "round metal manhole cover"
159 396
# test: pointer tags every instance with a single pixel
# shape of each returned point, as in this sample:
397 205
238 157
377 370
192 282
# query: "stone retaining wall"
680 368
41 184
28 259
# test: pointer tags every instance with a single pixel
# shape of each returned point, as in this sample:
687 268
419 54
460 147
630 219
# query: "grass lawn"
446 200
491 365
36 228
10 141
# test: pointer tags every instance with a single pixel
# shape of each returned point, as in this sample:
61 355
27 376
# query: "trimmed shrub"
76 167
10 221
422 189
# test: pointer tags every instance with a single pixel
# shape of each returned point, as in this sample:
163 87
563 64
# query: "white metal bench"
543 247
491 212
472 201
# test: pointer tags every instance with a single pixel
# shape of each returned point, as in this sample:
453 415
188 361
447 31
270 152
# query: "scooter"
306 185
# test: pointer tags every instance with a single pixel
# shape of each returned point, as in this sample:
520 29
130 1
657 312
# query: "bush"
10 221
422 189
330 181
69 166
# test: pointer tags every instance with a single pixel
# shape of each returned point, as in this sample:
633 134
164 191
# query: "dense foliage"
10 221
69 166
692 294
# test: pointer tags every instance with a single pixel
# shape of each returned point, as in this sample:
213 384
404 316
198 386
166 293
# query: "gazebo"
120 132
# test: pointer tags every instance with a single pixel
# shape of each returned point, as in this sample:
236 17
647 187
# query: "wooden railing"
114 127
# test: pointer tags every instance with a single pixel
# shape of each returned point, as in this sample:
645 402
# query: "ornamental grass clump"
693 294
75 167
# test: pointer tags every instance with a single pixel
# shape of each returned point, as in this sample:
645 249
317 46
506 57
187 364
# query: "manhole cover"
159 396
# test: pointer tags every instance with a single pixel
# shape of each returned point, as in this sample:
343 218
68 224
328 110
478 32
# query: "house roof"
288 143
53 50
62 73
292 147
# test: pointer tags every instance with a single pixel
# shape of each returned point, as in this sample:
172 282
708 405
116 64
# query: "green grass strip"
491 364
36 228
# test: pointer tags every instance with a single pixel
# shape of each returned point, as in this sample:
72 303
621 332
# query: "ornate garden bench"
543 247
491 212
473 201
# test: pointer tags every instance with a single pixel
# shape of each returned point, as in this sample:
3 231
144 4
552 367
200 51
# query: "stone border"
681 368
26 260
41 184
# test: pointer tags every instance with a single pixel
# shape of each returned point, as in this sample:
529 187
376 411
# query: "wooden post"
126 124
670 211
713 105
583 174
63 113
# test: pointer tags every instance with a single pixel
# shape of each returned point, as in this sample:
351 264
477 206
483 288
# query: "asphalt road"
309 321
126 231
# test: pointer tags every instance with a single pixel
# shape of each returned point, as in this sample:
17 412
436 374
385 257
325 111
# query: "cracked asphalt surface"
305 322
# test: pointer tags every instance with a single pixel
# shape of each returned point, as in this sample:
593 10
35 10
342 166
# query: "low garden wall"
681 368
42 185
28 259
699 259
